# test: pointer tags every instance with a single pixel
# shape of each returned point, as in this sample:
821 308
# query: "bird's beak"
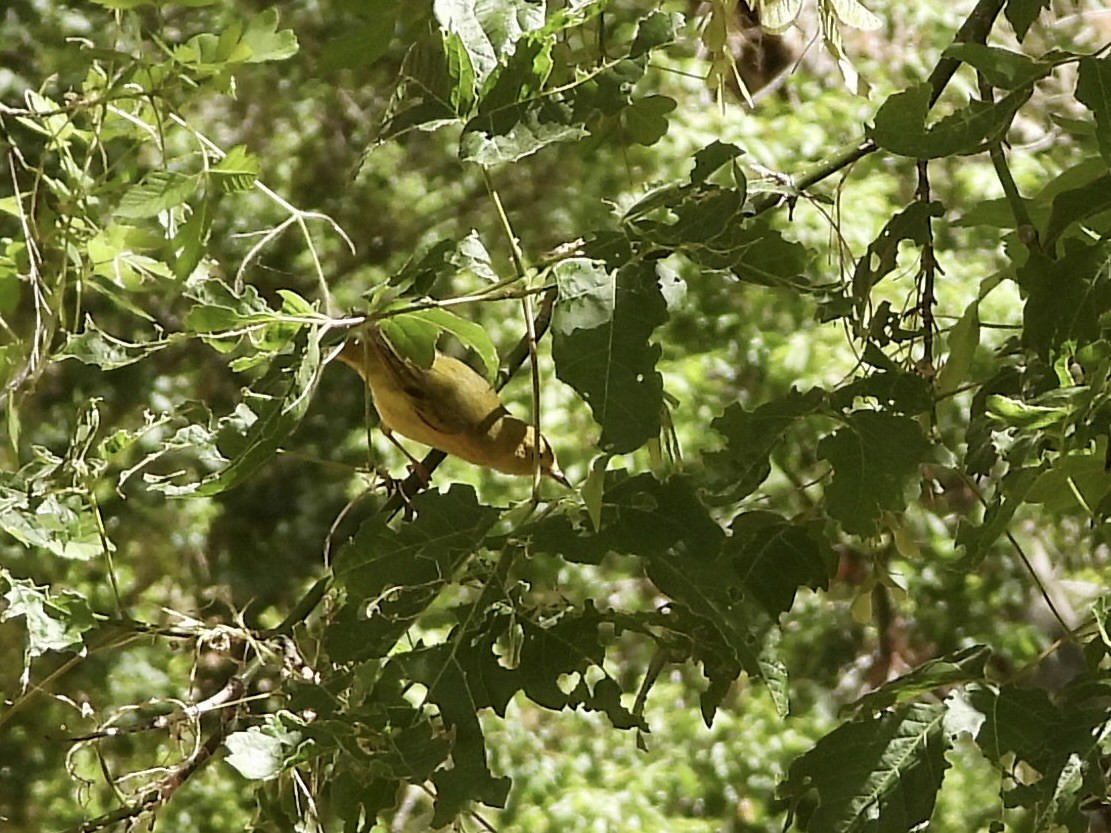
558 477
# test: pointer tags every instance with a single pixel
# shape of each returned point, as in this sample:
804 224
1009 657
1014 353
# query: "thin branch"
1027 231
526 306
929 272
976 28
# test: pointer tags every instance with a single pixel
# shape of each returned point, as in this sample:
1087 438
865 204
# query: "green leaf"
1066 297
961 666
1010 495
668 527
59 523
700 220
1002 68
1077 482
472 257
774 558
414 338
1093 90
601 328
646 119
912 224
1018 414
711 158
759 254
894 390
472 335
159 191
93 346
515 117
437 87
1053 737
226 315
264 40
248 438
260 753
961 343
368 41
1076 205
751 436
54 621
654 31
875 460
900 124
392 575
875 774
1019 721
189 244
421 271
115 253
1021 14
237 171
124 4
488 30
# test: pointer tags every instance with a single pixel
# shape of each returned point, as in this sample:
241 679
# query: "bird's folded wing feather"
432 401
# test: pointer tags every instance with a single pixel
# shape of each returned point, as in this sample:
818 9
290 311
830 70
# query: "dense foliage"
810 298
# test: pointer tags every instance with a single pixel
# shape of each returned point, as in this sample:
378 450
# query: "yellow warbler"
448 406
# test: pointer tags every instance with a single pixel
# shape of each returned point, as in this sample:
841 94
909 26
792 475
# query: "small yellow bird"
448 406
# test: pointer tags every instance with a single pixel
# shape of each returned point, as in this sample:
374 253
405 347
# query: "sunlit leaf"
602 325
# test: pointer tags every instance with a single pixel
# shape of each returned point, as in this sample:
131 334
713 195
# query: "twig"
929 270
975 29
1027 231
526 306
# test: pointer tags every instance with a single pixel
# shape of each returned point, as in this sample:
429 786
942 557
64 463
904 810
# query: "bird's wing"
433 399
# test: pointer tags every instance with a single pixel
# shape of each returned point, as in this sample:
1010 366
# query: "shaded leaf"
646 118
1022 13
879 774
392 575
875 460
912 224
962 666
711 158
961 343
1093 90
751 436
1010 495
894 390
1077 482
366 42
775 557
900 124
1076 205
248 438
1066 297
1001 68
